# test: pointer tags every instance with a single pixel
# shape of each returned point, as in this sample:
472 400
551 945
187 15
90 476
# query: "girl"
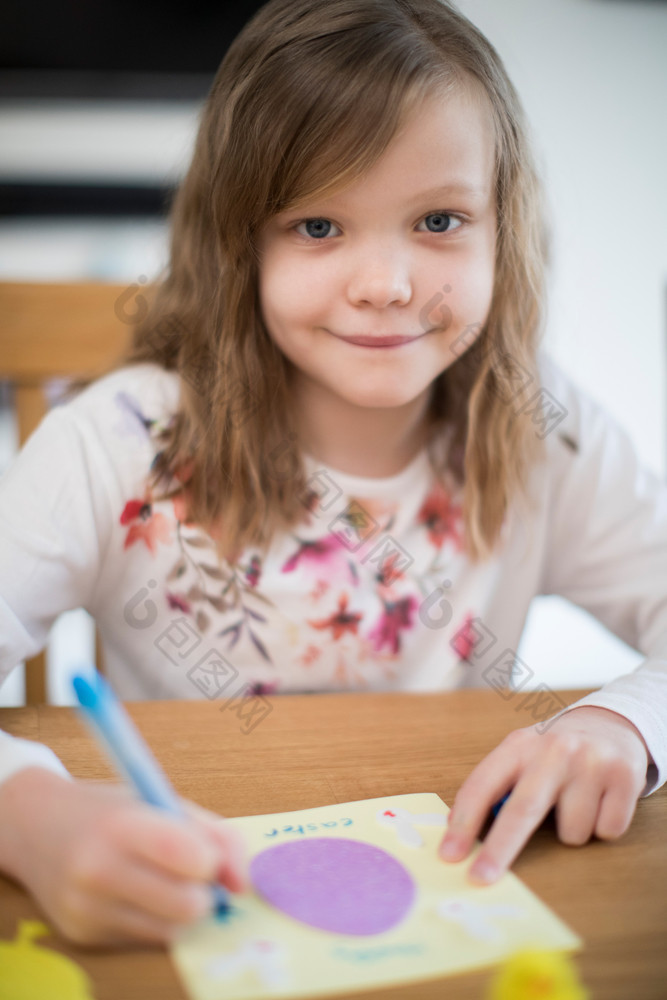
335 458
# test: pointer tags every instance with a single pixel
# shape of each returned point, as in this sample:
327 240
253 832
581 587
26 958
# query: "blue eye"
317 228
443 222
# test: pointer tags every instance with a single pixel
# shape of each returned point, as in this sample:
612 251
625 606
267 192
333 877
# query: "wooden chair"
50 331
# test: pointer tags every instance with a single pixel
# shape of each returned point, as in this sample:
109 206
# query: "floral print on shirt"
145 525
224 598
442 518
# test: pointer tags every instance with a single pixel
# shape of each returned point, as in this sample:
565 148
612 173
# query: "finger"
488 782
116 923
146 888
233 873
173 844
231 843
577 810
617 808
532 798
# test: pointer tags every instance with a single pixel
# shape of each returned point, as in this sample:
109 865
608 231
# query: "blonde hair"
307 98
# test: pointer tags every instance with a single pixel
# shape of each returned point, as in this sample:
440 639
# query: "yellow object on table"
537 975
28 972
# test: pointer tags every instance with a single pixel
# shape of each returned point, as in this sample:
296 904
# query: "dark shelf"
23 199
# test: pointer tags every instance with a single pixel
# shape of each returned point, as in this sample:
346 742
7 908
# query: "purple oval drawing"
342 886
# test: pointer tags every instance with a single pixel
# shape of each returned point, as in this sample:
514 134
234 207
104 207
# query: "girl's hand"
107 869
590 763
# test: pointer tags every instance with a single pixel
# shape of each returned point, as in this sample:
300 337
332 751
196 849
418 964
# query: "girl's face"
406 251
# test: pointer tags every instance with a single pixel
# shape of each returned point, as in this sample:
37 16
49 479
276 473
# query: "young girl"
334 459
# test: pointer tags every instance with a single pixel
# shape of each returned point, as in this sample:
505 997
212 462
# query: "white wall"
593 77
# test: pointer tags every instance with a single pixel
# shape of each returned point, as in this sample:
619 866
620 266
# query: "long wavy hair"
307 98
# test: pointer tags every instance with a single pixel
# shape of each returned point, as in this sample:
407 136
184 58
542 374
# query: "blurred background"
99 106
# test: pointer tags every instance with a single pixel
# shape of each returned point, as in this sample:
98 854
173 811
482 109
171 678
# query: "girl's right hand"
107 869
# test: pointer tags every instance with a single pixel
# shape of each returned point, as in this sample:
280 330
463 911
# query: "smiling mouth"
377 342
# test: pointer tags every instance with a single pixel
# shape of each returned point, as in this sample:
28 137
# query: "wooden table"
312 750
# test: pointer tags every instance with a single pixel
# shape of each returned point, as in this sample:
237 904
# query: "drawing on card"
478 919
342 886
266 958
405 824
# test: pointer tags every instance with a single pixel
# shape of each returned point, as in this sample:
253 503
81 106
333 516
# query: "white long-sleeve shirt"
371 591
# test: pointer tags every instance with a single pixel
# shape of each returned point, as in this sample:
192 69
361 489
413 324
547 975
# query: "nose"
380 279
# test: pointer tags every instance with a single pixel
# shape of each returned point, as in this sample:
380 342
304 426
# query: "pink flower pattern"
464 639
397 616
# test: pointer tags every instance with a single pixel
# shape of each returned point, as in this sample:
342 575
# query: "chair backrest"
48 331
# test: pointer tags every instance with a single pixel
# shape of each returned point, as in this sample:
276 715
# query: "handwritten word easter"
311 827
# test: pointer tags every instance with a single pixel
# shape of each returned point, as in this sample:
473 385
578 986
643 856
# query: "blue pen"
498 806
113 727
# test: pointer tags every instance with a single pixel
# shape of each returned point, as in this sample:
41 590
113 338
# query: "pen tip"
84 692
222 912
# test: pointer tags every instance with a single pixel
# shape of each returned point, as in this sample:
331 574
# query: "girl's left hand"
590 763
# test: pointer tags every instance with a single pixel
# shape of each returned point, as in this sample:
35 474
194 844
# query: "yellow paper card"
353 896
